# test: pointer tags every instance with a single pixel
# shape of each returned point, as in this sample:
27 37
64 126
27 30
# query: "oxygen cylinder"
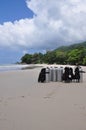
51 74
59 74
47 79
54 74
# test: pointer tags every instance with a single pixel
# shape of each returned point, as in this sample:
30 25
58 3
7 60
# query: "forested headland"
72 54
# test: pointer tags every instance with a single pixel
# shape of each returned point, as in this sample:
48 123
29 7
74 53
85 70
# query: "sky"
30 26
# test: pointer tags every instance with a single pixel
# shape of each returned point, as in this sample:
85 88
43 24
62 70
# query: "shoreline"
12 67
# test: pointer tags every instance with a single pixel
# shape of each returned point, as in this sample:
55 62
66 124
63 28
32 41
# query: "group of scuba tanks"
60 74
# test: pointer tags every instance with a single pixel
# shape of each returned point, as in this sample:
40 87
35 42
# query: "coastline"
26 104
12 67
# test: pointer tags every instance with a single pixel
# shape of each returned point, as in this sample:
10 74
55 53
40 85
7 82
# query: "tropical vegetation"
72 54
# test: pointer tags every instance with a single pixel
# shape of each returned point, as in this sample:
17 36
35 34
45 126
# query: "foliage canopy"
63 55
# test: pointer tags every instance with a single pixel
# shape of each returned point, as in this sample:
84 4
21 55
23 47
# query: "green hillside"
71 47
75 53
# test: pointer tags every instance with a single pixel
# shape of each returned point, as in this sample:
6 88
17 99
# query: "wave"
12 67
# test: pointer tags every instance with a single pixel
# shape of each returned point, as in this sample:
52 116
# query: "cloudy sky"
28 26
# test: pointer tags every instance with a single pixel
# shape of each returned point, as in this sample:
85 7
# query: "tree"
50 57
76 55
60 57
73 56
27 58
37 58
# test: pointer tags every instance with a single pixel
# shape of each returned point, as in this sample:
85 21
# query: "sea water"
10 67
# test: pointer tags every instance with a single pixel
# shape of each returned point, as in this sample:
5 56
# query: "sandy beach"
26 104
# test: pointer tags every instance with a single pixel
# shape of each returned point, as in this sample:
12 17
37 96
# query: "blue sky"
11 10
29 26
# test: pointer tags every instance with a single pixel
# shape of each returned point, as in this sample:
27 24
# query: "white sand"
26 104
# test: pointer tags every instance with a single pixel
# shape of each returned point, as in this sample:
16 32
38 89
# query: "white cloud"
54 23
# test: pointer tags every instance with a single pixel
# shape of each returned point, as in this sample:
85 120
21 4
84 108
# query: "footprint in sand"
49 95
22 96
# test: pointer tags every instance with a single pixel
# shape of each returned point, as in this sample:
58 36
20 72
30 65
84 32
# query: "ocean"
10 67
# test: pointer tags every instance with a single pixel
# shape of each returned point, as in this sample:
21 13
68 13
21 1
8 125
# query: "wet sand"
26 104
